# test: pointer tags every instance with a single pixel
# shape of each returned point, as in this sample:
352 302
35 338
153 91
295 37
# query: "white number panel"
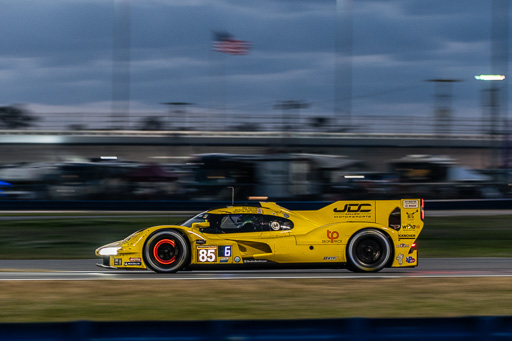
207 254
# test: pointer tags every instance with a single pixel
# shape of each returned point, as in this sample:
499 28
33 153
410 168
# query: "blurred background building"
290 100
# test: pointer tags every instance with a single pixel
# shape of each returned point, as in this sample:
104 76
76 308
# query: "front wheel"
166 251
368 251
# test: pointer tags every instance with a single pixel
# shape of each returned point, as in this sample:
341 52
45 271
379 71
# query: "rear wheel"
368 251
166 251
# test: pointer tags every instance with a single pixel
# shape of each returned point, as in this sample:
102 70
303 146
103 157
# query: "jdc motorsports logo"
354 208
362 211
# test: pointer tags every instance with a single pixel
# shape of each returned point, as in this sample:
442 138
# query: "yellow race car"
363 236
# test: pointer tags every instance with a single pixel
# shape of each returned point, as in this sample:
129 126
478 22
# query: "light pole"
287 106
493 103
120 114
179 108
443 99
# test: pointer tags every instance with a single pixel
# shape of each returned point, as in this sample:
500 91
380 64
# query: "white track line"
74 276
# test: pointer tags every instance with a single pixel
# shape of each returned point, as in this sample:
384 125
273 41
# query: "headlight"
109 251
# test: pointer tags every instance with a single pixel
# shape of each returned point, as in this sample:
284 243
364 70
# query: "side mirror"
202 225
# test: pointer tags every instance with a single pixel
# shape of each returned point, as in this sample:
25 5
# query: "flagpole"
218 88
224 90
227 44
211 90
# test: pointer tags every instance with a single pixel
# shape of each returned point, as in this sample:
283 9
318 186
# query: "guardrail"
242 138
197 206
496 328
262 119
247 134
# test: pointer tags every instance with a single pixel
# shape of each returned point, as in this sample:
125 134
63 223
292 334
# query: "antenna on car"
232 195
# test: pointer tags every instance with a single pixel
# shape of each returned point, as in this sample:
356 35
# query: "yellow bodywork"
316 237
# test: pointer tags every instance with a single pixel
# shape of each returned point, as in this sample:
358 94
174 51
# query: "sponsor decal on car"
255 261
411 204
410 215
330 258
406 236
402 245
333 237
225 251
410 259
118 261
354 211
409 227
133 261
224 259
400 258
247 210
354 208
237 259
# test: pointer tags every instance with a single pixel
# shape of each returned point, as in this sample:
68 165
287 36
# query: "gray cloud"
59 53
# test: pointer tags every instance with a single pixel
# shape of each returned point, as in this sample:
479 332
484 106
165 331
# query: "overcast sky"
57 55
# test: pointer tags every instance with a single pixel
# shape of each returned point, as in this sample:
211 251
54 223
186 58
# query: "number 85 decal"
206 254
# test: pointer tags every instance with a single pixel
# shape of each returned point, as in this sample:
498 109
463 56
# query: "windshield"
200 218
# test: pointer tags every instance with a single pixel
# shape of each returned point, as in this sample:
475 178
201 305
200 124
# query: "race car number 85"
207 254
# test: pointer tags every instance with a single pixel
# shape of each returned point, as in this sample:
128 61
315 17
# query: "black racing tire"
166 251
368 250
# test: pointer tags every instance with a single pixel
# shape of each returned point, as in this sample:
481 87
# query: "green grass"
102 300
472 236
66 237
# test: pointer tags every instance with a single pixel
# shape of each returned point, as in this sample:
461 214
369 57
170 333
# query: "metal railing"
269 121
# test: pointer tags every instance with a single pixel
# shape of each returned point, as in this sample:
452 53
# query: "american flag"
226 43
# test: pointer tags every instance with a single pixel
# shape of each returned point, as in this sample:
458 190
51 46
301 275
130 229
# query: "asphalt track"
34 270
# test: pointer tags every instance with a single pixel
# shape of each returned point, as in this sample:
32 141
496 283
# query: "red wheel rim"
158 245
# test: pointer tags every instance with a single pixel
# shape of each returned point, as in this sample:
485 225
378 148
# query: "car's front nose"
123 254
108 250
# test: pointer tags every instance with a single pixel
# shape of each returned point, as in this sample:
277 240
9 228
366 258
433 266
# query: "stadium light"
490 77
